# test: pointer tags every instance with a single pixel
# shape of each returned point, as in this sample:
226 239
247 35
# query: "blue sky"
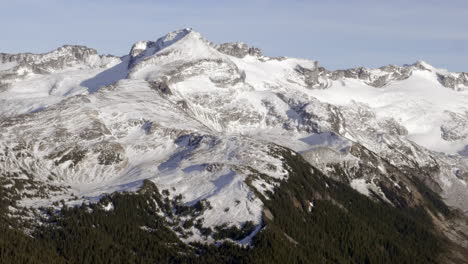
338 33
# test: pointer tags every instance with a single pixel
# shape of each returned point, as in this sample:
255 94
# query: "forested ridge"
308 219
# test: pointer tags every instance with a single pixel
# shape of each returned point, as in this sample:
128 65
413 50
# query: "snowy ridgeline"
202 120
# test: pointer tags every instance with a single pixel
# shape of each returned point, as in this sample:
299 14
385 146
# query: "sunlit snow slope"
200 119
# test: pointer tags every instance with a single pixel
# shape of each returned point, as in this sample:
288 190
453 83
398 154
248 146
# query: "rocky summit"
220 150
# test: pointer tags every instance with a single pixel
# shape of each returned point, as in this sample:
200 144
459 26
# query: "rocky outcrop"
320 78
314 78
143 49
456 82
161 86
139 50
455 126
58 59
380 77
376 78
238 49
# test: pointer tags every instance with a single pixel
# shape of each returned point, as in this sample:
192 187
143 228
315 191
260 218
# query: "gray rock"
161 86
455 126
140 50
453 81
314 78
370 77
238 49
60 58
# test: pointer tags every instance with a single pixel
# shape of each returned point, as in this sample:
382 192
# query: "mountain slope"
214 125
309 219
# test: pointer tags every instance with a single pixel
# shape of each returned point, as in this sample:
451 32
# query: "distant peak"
422 65
142 49
174 36
162 42
74 47
56 58
60 50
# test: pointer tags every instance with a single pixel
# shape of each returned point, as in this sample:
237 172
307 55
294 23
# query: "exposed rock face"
238 49
455 126
143 49
68 52
139 50
314 78
420 65
206 120
171 54
60 58
317 77
393 127
376 78
68 57
161 86
457 82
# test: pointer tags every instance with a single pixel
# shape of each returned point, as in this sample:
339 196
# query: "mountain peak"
174 36
75 51
142 49
220 129
422 65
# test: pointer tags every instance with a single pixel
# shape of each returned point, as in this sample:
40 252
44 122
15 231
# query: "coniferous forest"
342 226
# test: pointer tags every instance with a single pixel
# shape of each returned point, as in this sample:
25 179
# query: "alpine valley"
186 151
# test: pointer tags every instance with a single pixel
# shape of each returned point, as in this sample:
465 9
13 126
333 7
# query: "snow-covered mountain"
199 119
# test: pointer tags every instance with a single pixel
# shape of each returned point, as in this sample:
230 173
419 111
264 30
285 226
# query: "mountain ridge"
207 122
